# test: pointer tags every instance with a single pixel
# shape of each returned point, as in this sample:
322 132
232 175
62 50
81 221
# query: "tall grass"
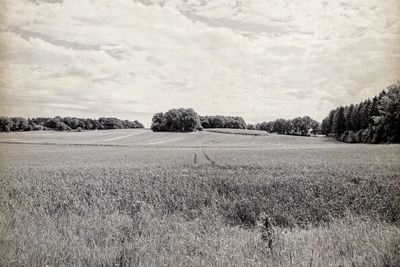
109 206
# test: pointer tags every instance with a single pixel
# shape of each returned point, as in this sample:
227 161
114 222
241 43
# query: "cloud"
262 59
239 26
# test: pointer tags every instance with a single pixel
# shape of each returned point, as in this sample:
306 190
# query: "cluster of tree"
176 120
64 124
371 121
222 122
297 126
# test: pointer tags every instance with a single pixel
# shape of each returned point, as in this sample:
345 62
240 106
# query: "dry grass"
330 206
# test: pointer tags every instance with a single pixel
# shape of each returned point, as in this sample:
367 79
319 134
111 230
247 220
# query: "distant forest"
298 126
14 124
187 120
219 121
371 121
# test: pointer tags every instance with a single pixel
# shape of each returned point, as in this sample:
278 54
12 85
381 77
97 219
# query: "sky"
261 60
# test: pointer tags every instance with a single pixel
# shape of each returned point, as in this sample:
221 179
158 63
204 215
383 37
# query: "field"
133 197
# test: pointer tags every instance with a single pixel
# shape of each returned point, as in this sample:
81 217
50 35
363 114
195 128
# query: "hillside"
145 137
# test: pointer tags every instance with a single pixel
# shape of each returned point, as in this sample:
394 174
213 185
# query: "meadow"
138 198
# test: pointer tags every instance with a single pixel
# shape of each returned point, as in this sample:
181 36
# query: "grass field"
237 131
133 197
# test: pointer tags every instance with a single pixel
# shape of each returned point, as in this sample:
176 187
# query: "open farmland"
134 197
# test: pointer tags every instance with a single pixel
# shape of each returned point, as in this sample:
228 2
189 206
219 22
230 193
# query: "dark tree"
64 124
5 124
176 120
371 121
250 126
349 117
57 124
338 123
222 122
158 123
389 108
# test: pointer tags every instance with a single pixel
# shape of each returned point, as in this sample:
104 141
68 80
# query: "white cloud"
258 59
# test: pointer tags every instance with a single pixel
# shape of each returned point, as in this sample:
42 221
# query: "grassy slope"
331 204
145 137
237 131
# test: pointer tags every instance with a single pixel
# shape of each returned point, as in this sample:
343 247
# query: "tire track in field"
208 157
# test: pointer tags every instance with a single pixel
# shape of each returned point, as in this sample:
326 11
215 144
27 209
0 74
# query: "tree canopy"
219 121
176 120
370 121
297 126
64 124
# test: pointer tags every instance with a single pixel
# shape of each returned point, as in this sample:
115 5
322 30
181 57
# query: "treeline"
371 121
303 126
187 120
13 124
222 122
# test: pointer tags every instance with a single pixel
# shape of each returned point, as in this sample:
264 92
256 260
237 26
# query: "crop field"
134 197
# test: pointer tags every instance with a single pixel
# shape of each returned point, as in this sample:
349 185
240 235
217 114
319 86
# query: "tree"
63 124
19 124
373 121
176 120
296 126
373 111
355 118
190 121
325 126
250 127
57 124
158 123
222 122
205 123
389 108
364 115
349 118
315 127
5 124
338 123
216 122
330 120
73 123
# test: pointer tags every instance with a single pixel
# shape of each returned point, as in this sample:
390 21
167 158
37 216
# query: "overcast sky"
253 58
